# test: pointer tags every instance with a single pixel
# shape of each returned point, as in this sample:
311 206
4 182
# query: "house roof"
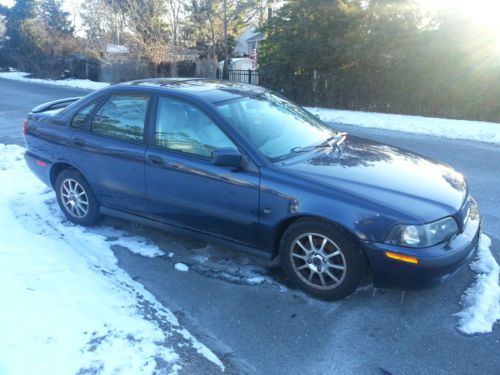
256 37
233 60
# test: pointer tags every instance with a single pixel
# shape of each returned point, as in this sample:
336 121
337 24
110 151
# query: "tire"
76 198
332 269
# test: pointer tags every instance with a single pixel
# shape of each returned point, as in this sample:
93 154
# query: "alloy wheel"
74 198
318 261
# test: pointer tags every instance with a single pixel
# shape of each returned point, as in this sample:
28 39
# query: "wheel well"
56 169
287 222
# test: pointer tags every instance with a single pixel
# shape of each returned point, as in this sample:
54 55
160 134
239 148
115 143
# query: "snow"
481 301
181 267
116 49
66 305
446 128
76 83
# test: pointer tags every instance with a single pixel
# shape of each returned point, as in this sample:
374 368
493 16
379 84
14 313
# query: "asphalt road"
270 328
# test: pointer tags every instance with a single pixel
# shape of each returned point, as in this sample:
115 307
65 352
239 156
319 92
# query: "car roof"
209 90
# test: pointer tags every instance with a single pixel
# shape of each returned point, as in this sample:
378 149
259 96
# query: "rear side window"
122 117
82 115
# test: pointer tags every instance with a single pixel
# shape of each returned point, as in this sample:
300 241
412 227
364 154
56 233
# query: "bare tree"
146 28
98 20
174 13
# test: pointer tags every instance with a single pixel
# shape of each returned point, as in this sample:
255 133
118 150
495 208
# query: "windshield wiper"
336 140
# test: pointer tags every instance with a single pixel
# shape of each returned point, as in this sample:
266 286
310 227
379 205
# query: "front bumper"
435 263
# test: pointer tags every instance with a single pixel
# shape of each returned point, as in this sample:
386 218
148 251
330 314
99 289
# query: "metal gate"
242 76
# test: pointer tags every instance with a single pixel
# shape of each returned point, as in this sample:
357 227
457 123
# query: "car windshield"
275 126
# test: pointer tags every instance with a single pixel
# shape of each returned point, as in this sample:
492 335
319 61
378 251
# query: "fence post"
250 76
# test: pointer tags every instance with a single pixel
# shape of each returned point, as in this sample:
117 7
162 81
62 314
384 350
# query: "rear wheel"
321 259
75 197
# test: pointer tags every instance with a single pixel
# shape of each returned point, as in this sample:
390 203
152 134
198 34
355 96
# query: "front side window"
82 115
274 125
181 126
122 117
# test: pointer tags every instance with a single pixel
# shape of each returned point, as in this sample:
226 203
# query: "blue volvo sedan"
242 165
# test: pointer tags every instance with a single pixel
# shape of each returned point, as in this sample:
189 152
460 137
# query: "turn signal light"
401 257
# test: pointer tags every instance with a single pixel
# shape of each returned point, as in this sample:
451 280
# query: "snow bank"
76 83
67 307
446 128
481 301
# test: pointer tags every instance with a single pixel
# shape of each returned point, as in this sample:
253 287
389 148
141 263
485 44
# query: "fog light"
401 257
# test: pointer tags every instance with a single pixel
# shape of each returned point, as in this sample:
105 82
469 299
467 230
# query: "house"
254 41
238 63
116 53
248 40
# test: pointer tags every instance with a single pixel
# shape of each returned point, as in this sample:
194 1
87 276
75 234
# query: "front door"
185 189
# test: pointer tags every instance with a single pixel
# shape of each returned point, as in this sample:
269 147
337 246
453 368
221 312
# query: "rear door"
185 189
109 149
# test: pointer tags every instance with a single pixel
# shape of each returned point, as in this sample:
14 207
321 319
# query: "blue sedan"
241 165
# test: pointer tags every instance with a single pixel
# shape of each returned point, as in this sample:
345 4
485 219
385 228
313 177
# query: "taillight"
25 127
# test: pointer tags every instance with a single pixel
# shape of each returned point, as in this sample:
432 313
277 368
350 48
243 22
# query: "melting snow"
181 267
66 305
481 301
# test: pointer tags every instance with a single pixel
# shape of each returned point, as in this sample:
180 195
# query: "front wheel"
321 259
75 197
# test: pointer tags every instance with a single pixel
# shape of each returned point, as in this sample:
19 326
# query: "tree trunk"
225 69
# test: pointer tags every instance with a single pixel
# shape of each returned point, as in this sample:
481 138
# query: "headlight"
423 235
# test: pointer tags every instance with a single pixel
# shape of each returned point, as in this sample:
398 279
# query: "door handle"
156 160
78 142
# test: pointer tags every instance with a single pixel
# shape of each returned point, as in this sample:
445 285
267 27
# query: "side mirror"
227 157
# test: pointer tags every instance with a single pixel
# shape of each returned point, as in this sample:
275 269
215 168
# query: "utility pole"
225 69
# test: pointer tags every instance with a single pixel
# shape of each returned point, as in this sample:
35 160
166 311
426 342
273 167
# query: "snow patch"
135 244
65 302
71 82
446 128
481 301
181 267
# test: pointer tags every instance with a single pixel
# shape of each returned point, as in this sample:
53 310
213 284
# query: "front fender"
284 199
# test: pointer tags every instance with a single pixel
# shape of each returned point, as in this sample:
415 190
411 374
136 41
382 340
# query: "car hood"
424 189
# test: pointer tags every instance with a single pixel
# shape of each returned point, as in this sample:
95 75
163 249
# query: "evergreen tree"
52 14
16 43
15 18
382 55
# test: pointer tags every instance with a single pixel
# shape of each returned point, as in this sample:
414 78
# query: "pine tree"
15 42
52 14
